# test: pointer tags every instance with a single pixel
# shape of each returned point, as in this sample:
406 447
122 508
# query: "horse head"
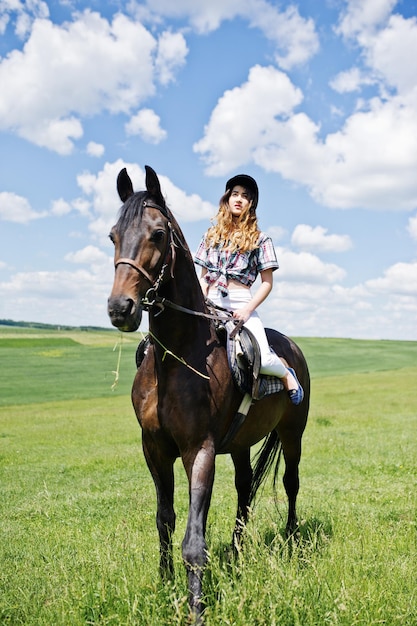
143 246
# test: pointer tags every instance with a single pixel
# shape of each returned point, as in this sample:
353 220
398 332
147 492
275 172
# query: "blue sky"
316 100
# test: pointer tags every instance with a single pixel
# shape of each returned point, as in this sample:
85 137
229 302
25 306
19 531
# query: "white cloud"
293 36
224 146
58 77
60 207
82 206
276 232
76 298
146 124
22 14
350 80
375 147
362 17
186 208
412 227
15 208
171 55
392 51
311 238
399 279
88 255
306 267
388 43
101 195
95 149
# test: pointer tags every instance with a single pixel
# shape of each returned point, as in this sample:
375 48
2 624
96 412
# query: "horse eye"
158 236
111 237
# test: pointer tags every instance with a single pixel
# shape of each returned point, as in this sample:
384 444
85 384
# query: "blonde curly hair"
242 235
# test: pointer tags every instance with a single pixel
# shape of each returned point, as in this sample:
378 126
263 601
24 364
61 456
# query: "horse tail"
269 453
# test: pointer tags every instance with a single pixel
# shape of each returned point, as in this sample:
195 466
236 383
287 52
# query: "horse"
183 394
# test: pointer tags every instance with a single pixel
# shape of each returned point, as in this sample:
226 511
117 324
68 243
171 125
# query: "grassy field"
77 513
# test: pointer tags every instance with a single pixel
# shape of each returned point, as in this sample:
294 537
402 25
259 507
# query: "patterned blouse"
223 265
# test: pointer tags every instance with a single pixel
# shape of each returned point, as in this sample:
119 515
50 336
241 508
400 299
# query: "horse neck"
177 328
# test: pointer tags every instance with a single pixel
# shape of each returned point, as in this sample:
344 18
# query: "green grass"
39 366
77 510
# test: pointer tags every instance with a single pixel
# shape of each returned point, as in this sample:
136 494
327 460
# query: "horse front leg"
243 481
162 470
194 548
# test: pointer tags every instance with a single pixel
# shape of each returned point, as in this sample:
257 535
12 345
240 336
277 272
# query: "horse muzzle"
124 313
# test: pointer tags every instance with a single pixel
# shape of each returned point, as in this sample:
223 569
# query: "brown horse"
183 393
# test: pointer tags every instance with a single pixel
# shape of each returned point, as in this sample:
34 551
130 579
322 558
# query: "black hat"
244 180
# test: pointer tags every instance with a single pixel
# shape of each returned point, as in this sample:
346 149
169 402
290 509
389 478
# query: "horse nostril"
120 307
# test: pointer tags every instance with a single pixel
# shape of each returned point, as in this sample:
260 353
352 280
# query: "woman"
232 253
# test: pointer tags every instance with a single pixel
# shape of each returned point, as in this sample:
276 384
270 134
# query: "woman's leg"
271 364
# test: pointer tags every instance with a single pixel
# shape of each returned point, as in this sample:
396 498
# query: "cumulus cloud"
412 227
100 192
387 43
276 232
389 53
68 297
375 147
95 149
350 80
21 14
317 239
58 77
147 124
95 259
15 208
171 54
307 267
400 279
294 37
362 17
60 207
224 146
186 207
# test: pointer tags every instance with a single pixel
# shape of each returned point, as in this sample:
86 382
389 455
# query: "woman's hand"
263 291
242 314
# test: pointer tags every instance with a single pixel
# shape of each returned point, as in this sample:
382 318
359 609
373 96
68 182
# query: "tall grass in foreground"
78 538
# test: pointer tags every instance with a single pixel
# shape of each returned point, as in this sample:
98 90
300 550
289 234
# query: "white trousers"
271 364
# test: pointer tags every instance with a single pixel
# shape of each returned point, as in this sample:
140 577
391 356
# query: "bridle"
168 260
151 298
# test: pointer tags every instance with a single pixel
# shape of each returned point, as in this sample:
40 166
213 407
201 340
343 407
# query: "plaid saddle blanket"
245 361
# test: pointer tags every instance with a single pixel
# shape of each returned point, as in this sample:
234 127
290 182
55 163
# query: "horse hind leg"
243 483
291 481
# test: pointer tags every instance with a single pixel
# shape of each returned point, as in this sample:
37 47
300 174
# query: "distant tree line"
49 326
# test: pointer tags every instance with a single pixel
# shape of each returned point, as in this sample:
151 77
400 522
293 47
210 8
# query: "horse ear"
153 186
124 185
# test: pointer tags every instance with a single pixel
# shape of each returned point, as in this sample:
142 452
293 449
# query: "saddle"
141 350
245 362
